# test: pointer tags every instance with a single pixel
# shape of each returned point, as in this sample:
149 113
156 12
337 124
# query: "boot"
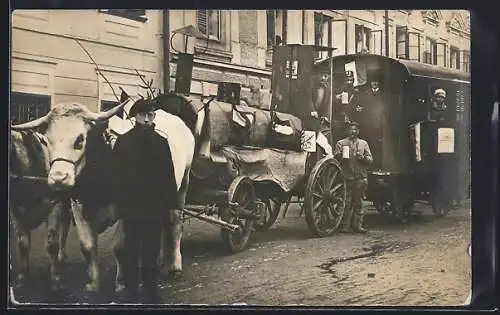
358 224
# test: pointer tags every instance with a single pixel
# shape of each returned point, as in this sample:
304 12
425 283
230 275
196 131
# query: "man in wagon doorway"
145 190
355 156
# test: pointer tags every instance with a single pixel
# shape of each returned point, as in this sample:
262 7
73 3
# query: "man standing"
320 103
354 154
146 189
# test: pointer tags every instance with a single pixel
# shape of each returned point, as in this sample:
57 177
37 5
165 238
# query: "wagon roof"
412 68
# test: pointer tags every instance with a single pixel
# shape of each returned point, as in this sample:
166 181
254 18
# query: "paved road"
423 262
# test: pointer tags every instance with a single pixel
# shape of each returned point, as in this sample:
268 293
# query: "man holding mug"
355 156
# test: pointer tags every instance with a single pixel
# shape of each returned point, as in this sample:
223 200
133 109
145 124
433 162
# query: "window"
454 58
276 31
466 61
322 33
25 107
136 15
107 105
401 42
276 28
407 44
362 39
430 54
209 23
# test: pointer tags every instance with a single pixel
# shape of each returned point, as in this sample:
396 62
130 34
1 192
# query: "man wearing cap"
355 156
438 107
146 189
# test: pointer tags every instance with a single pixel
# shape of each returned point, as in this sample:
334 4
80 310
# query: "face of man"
145 119
324 78
349 81
353 131
375 84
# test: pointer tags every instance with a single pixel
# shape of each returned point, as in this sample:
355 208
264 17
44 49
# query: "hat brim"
134 109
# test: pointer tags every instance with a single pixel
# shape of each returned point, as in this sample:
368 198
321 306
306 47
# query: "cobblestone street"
421 263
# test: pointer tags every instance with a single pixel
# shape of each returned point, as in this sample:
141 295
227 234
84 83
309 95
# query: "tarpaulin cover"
285 168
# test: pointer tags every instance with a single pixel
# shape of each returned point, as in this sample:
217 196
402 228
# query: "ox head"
66 128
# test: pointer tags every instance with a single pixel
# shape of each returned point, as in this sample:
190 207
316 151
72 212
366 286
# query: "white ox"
71 133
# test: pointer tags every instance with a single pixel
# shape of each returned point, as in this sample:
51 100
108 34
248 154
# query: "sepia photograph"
240 157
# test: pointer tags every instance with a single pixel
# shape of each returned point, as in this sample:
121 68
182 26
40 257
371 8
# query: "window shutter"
202 17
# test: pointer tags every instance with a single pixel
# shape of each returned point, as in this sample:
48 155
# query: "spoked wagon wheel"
240 191
325 197
272 210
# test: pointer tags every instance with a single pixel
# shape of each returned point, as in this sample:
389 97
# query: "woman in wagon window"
438 106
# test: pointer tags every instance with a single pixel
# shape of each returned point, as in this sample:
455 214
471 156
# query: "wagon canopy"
419 69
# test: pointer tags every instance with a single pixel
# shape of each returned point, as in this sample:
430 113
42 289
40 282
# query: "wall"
47 60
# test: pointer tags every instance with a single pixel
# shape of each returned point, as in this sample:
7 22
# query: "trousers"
353 214
141 242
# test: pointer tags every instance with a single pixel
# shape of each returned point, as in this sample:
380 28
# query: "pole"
387 33
166 52
331 100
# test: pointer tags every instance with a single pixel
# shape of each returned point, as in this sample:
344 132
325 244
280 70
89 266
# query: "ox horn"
31 124
107 114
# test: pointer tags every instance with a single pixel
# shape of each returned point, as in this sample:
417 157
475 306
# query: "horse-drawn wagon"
251 160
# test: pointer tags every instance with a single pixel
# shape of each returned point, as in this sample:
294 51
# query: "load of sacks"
242 125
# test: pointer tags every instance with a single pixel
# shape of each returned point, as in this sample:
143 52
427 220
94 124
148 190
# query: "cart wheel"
273 207
241 191
325 197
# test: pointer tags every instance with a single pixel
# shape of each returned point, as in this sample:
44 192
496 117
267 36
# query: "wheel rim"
326 198
272 209
242 192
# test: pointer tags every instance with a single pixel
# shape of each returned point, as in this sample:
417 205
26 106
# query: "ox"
78 154
31 203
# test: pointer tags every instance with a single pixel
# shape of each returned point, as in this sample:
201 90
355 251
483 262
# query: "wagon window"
25 107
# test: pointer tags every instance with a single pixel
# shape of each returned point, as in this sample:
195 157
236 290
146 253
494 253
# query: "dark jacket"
145 181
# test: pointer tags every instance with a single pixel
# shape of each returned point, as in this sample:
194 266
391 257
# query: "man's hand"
360 156
314 114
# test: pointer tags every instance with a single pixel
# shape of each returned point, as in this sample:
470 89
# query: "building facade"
49 66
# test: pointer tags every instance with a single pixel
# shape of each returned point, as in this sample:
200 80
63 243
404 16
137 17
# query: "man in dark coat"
369 113
146 190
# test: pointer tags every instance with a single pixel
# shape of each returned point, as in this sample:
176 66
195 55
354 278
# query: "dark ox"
79 166
31 203
80 162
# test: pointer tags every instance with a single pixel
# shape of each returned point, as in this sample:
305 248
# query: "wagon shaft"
212 220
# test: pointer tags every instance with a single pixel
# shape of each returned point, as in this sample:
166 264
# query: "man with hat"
355 156
145 190
438 107
346 98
